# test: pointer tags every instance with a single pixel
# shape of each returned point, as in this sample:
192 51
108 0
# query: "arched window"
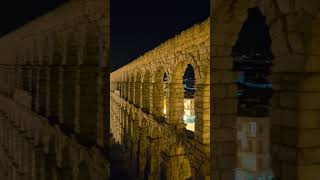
252 58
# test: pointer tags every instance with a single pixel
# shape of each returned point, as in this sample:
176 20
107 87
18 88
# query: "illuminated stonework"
147 118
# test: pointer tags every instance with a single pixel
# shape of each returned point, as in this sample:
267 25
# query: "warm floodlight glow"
165 107
189 114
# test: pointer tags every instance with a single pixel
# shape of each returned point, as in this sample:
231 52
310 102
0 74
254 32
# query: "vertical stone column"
19 76
295 128
146 96
43 90
50 166
137 94
224 98
103 98
175 106
68 99
123 89
29 77
143 144
37 95
294 117
153 159
53 107
39 164
34 83
176 167
157 99
24 77
223 131
87 104
131 91
202 112
134 148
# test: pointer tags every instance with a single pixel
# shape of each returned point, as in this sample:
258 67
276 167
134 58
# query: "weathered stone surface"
180 154
41 92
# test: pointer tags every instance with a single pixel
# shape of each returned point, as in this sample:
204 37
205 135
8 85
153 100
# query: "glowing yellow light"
189 114
165 106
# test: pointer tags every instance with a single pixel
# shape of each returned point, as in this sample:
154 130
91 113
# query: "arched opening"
252 59
189 92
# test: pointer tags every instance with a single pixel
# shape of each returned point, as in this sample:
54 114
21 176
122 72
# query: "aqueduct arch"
154 133
294 38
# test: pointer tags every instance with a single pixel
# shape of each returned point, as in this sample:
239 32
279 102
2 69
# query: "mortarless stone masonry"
294 30
159 146
54 90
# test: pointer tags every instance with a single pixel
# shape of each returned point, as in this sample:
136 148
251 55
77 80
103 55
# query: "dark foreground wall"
53 87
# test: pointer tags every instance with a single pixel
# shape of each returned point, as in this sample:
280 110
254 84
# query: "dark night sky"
139 26
15 13
136 26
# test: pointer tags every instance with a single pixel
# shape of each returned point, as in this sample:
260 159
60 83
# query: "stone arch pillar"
68 85
137 89
146 92
175 167
91 89
224 32
67 167
126 87
131 88
54 78
134 144
295 100
202 110
27 71
142 151
39 164
50 160
153 153
43 77
35 78
157 104
18 74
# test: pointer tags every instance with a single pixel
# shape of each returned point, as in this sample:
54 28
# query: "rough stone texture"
294 32
159 145
54 88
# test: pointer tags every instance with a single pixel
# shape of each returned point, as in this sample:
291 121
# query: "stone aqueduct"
160 145
294 28
51 69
